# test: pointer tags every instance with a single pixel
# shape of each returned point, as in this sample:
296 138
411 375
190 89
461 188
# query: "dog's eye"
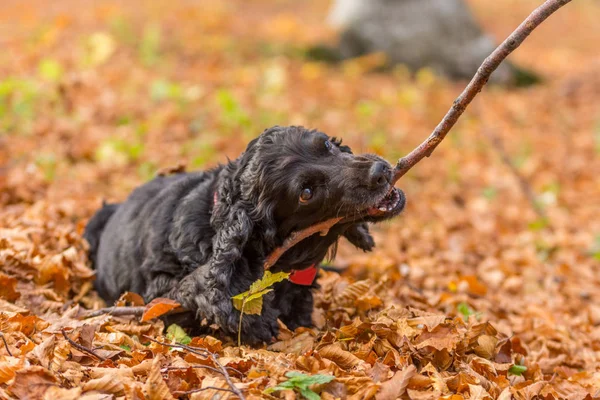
306 195
328 145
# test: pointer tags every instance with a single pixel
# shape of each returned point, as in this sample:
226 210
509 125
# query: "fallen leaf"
32 383
158 307
155 387
396 387
109 383
8 286
343 358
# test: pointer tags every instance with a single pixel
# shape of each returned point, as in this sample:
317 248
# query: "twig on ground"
523 183
81 348
115 311
195 350
208 367
426 148
205 353
181 393
5 344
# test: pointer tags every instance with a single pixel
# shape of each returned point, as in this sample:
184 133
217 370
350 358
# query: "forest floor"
469 294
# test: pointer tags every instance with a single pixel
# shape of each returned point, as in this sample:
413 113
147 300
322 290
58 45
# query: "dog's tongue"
304 276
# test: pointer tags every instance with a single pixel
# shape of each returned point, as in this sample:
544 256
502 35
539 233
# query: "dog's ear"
358 234
343 148
230 217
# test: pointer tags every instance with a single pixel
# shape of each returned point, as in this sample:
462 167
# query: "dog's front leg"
207 292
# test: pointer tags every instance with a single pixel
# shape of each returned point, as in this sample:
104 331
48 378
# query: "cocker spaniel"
202 237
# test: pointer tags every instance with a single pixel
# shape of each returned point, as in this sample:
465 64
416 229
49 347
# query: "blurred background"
97 96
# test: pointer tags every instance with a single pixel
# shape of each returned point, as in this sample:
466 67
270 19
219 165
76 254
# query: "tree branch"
115 311
515 39
298 236
81 348
5 344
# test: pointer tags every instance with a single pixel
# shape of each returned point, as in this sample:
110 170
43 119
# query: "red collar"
304 277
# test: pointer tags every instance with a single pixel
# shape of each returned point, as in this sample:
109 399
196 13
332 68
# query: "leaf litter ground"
468 295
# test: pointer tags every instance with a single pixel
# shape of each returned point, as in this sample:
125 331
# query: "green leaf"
309 394
300 379
301 382
595 250
517 370
465 310
254 302
490 193
268 280
175 332
50 70
250 302
538 224
149 50
125 347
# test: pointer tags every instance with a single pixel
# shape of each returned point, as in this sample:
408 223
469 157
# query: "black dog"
202 237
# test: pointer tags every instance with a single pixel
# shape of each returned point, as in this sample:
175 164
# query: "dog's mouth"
390 205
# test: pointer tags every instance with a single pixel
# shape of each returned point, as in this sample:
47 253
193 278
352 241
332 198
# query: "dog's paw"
256 329
358 235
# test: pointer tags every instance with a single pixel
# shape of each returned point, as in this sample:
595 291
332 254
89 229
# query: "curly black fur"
202 237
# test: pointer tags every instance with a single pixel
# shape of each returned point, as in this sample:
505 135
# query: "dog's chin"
388 206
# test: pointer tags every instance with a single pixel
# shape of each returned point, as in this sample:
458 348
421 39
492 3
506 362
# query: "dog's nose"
379 174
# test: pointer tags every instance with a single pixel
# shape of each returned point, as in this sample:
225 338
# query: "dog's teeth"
382 209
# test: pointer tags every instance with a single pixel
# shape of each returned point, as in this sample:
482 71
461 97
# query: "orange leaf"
158 307
8 289
130 298
395 387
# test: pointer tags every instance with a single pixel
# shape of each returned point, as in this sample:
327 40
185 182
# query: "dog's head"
300 177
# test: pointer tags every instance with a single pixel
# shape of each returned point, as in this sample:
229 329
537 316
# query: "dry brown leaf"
155 387
109 383
352 292
396 386
59 356
8 288
474 286
478 393
8 367
430 321
209 343
32 383
11 308
158 307
486 346
130 298
342 358
298 344
423 394
380 372
56 393
440 338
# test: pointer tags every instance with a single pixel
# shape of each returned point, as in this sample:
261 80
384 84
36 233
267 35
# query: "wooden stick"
515 39
5 344
81 348
299 236
115 311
